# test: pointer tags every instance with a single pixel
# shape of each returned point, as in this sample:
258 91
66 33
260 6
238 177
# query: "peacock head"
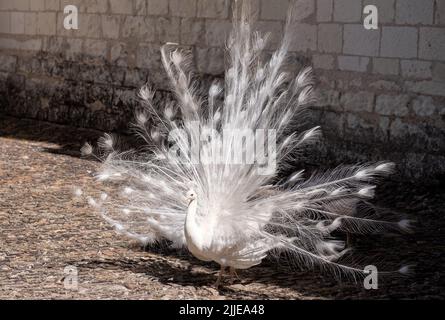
190 196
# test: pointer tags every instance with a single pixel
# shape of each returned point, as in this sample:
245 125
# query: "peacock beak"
189 199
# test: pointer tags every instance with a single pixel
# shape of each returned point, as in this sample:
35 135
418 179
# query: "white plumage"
224 211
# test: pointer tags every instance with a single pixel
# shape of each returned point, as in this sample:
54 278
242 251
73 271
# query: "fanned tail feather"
292 215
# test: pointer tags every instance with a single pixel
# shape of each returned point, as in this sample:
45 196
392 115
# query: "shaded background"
382 91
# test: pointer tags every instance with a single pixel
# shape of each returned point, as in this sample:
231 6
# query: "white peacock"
226 212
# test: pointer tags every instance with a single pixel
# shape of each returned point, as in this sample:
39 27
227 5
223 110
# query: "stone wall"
382 92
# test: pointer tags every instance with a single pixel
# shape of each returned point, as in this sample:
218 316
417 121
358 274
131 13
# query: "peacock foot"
220 275
233 276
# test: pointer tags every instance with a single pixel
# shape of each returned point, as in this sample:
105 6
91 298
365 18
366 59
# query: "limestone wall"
382 91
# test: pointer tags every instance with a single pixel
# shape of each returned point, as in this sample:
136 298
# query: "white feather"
226 212
86 149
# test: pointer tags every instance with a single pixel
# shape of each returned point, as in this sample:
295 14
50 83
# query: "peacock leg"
220 274
233 275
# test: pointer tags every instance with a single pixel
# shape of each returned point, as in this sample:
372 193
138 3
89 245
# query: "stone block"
51 5
110 26
433 88
432 44
414 11
347 11
305 37
46 23
359 41
139 27
30 23
19 5
385 66
416 69
330 37
388 105
357 101
192 31
182 8
120 54
96 48
18 22
440 12
328 99
424 106
353 63
157 7
274 10
324 10
211 60
5 22
217 32
89 26
121 6
399 42
213 9
8 63
140 7
439 71
96 6
167 29
278 9
37 5
323 61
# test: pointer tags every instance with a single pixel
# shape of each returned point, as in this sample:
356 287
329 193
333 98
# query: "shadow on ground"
43 229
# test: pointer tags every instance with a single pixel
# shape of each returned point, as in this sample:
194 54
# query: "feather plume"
195 193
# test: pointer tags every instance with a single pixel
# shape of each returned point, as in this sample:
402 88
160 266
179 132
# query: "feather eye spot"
86 149
214 90
141 118
92 202
406 270
368 192
385 167
146 94
106 142
362 174
404 224
78 192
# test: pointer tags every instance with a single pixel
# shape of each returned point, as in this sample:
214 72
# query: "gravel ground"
43 229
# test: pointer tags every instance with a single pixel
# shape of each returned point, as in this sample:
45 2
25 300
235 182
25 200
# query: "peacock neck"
191 223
